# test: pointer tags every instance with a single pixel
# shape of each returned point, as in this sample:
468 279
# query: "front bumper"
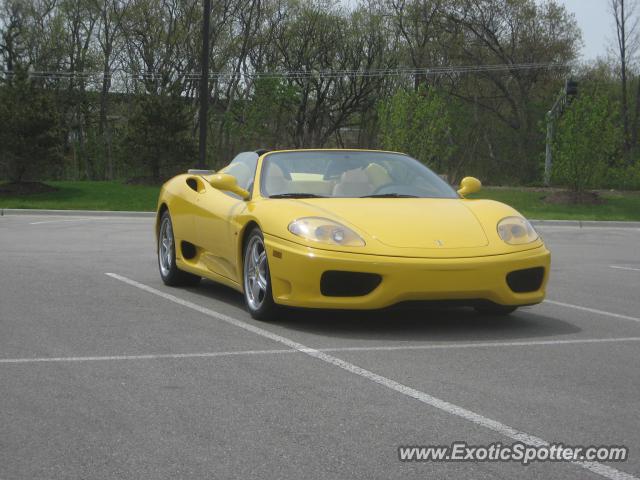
296 271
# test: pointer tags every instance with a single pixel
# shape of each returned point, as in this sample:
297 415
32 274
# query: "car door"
184 200
216 227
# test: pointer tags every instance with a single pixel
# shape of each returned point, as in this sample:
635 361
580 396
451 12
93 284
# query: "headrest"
378 175
357 175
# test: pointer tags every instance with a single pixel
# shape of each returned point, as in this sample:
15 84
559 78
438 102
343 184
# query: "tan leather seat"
353 183
274 180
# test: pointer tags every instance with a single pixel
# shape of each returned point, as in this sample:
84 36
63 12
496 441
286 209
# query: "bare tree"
419 23
12 20
109 30
76 42
624 13
513 32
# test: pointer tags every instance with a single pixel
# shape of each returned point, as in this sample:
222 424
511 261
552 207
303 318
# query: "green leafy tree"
417 123
159 138
30 143
264 119
588 142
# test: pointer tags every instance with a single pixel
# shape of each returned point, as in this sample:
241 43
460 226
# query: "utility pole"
566 96
548 158
204 87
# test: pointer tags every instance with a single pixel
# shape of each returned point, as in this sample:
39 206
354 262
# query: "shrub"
587 143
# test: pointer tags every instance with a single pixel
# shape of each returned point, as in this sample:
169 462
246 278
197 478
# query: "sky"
596 22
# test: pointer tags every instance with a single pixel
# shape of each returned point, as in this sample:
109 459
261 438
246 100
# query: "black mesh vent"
528 280
348 284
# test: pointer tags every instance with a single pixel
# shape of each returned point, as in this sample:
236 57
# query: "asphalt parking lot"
118 376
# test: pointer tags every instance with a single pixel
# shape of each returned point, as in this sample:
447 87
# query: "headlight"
323 230
516 231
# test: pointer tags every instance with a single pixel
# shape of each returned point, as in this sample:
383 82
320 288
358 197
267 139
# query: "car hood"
424 223
403 227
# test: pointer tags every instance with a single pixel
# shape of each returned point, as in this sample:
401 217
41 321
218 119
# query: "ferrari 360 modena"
346 229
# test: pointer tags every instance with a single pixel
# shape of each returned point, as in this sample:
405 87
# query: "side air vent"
188 250
334 283
193 184
527 280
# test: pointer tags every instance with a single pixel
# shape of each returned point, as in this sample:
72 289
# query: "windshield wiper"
390 195
296 195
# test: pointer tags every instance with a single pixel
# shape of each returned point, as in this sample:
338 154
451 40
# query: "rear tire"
171 275
495 309
256 279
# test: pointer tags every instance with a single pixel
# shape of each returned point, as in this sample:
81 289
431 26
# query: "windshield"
349 174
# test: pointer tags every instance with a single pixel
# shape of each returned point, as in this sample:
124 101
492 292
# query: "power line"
296 74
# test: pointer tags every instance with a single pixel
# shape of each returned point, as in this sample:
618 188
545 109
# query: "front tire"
256 278
169 272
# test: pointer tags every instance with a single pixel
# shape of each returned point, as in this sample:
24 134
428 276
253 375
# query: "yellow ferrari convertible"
346 229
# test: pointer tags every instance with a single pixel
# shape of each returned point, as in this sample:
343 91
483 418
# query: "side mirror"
228 183
469 185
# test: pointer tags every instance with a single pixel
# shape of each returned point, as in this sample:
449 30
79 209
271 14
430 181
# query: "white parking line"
378 348
506 430
593 310
618 267
445 346
144 357
62 221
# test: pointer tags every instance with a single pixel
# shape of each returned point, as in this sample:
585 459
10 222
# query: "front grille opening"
334 283
527 280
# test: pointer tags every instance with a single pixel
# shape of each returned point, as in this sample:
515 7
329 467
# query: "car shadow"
413 322
425 324
218 292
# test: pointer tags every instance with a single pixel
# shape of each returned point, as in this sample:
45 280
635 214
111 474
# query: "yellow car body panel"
403 278
422 248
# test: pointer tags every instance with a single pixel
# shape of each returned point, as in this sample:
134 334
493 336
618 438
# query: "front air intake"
527 280
335 283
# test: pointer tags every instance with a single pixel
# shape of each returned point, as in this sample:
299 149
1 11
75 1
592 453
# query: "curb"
115 213
75 213
585 223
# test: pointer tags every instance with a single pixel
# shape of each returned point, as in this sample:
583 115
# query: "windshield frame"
264 161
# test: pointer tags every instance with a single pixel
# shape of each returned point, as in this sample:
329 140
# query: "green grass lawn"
88 196
530 202
118 196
